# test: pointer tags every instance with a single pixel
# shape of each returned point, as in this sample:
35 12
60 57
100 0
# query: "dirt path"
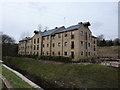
8 85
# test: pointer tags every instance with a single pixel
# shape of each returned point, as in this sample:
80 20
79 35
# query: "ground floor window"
81 53
65 53
58 53
53 53
47 52
72 54
89 53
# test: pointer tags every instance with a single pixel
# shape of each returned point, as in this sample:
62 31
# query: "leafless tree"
24 34
45 28
7 39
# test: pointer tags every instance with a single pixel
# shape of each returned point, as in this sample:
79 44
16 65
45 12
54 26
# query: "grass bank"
14 80
66 75
108 50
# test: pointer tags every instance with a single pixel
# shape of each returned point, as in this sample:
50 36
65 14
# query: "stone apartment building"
74 41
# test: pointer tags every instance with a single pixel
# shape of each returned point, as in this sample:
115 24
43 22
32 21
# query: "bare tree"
46 28
100 37
39 27
24 34
7 39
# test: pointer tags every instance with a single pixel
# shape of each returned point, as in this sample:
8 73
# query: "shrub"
84 59
56 58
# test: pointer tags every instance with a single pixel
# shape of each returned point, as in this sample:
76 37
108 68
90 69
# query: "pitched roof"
63 29
45 33
26 38
52 31
59 30
70 28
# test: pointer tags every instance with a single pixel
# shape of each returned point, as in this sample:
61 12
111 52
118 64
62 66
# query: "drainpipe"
41 44
25 46
62 44
50 44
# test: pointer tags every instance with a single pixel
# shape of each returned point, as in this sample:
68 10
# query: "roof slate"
70 28
48 32
26 38
59 30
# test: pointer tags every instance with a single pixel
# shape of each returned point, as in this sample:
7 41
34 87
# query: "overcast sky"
20 17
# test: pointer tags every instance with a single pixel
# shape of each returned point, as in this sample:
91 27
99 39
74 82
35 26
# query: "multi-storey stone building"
74 41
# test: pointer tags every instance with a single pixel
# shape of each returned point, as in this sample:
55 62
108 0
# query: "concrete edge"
23 77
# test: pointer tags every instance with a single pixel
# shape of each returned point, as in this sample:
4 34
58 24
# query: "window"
47 52
37 47
89 44
47 45
53 37
65 34
59 44
52 53
34 53
82 43
81 33
81 53
34 40
38 40
53 45
58 53
65 43
89 53
72 45
34 47
65 53
86 53
72 35
43 45
59 35
94 48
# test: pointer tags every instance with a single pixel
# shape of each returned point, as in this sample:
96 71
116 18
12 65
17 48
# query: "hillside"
51 75
108 51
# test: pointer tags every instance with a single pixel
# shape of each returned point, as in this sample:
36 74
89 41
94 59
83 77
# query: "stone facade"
75 41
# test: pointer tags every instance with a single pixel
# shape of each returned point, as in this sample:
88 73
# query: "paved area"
8 85
24 78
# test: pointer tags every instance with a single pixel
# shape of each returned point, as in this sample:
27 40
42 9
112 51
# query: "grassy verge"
14 80
67 75
108 50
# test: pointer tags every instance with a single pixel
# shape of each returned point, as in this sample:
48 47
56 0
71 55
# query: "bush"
84 59
29 56
56 58
53 58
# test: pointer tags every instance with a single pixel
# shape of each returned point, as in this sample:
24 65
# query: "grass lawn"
14 80
69 75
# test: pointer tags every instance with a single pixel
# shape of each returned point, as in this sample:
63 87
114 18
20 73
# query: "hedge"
53 58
